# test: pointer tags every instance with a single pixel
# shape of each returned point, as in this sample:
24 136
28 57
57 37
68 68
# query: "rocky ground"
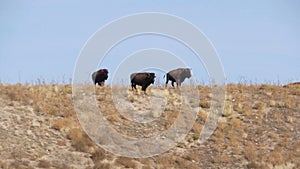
259 128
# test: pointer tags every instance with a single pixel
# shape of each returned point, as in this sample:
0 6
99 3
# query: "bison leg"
144 87
167 80
178 83
173 83
133 86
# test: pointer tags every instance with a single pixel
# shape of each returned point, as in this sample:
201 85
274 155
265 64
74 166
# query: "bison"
178 76
100 76
142 79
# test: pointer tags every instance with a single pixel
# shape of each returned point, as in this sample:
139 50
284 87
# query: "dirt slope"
259 129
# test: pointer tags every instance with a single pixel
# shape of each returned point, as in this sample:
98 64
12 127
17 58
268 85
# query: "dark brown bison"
178 76
100 76
142 79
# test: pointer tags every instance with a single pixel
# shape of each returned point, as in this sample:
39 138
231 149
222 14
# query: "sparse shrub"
98 155
218 148
253 165
202 116
61 166
265 87
114 118
147 167
67 89
278 116
168 107
238 107
227 109
194 137
3 164
173 162
273 135
80 141
272 103
280 104
126 162
222 159
194 104
44 164
259 106
205 104
296 91
101 97
60 124
131 98
61 143
233 138
289 119
289 103
147 163
191 165
37 108
247 110
102 166
197 127
236 150
193 156
18 164
164 161
276 157
236 123
250 152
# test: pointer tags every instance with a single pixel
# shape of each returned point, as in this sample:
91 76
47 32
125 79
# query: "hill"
259 128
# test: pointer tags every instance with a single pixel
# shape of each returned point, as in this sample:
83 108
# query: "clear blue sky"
255 40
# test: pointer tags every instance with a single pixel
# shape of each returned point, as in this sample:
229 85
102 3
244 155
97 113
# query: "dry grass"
259 128
99 156
125 162
205 104
44 164
47 99
80 141
250 152
63 124
228 110
176 162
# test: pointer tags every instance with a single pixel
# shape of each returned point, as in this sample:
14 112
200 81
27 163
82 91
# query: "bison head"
187 72
151 77
104 70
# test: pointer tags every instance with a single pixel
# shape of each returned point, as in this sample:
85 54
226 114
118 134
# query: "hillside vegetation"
259 128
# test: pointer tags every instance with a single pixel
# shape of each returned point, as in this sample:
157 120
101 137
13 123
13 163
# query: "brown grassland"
259 129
